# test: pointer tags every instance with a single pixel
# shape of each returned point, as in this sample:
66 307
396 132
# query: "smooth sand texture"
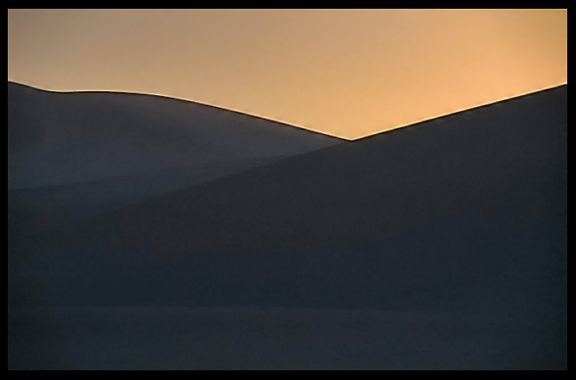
347 73
439 246
255 338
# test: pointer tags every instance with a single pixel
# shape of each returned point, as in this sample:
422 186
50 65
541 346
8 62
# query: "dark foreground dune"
59 138
436 246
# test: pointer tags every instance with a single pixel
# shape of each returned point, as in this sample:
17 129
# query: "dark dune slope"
459 216
80 200
466 211
65 138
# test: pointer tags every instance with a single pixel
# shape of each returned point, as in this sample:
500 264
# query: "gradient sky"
347 73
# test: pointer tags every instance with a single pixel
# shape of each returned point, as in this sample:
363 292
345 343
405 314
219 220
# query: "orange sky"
347 73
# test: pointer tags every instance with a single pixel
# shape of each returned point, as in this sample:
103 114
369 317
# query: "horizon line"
296 125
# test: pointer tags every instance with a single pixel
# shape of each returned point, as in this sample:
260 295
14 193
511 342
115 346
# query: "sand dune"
457 229
65 138
456 206
84 199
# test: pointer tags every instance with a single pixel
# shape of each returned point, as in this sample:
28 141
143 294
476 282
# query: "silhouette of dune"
65 138
436 246
472 200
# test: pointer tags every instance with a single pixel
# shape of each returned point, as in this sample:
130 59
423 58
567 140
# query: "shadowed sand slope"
456 227
65 138
465 204
80 200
